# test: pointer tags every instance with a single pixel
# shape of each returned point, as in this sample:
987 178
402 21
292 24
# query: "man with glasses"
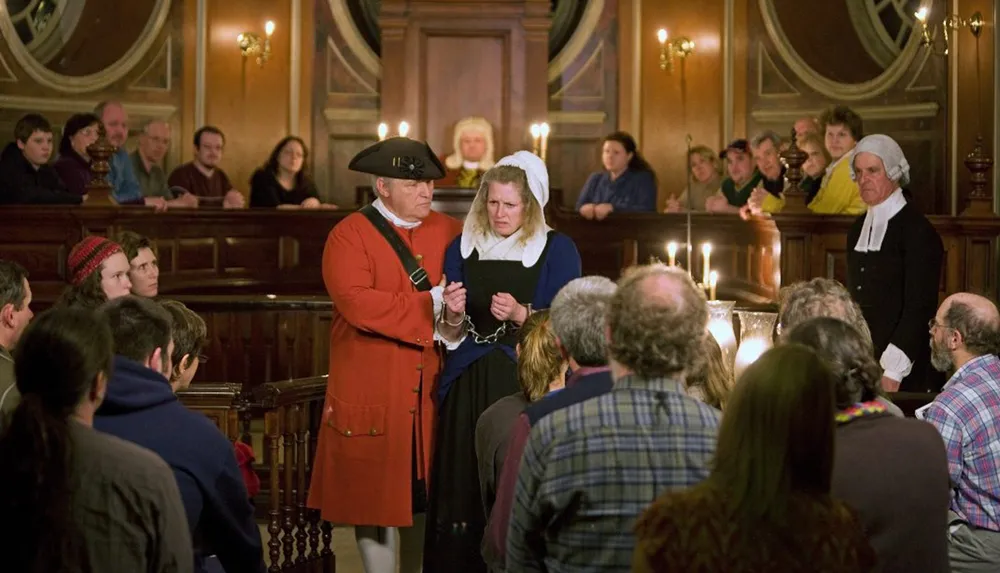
965 338
147 164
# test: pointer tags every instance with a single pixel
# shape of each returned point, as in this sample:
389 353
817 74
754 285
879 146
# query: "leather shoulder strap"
418 276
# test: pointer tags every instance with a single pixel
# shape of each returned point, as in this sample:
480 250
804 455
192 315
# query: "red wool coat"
383 367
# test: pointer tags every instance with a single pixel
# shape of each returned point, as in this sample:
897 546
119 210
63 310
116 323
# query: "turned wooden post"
980 200
99 189
795 198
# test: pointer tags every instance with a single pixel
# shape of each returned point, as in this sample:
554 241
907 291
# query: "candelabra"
251 44
680 48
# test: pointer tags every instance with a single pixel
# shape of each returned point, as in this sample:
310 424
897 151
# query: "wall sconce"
681 48
251 45
951 22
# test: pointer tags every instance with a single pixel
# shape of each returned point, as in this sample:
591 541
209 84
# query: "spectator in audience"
25 176
740 182
712 382
627 184
893 265
73 499
203 177
805 126
579 314
73 164
767 504
283 181
140 405
541 369
818 297
125 186
817 159
706 175
143 267
147 164
965 339
15 314
589 470
189 335
766 147
877 452
97 271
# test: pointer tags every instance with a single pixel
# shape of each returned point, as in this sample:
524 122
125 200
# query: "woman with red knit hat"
97 270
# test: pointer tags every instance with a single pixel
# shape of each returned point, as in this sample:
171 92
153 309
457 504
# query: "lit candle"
672 253
383 131
536 132
404 128
713 281
661 36
269 28
544 128
706 253
921 15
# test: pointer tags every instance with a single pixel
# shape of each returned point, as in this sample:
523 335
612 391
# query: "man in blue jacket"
141 407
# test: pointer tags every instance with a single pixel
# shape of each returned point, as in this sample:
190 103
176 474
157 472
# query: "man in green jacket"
15 313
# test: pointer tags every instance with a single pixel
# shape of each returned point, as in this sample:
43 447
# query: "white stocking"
377 546
411 546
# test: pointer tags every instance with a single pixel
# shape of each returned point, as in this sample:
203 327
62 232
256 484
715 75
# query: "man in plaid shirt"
964 338
590 469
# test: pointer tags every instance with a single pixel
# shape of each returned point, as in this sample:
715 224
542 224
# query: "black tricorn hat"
399 158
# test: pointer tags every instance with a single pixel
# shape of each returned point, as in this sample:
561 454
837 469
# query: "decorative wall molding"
636 71
158 75
344 114
6 74
593 67
918 83
578 117
578 41
334 53
295 67
352 37
91 82
870 112
200 54
728 54
771 83
42 104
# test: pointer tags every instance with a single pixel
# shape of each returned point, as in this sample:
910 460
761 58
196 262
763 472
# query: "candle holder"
756 337
720 325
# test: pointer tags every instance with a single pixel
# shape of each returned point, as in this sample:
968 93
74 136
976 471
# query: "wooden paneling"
975 99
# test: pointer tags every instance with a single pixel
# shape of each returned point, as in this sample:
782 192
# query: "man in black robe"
894 266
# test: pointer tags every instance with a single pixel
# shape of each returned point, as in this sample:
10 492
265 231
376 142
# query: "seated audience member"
203 177
140 404
820 297
147 164
15 314
97 271
143 267
644 437
124 185
25 176
965 339
283 181
805 126
813 170
767 504
190 335
706 175
713 380
73 164
766 148
877 452
578 313
74 499
742 177
541 369
627 184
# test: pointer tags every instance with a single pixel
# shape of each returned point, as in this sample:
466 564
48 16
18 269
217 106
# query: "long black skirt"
455 519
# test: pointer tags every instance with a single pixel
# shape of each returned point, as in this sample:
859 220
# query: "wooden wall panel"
974 112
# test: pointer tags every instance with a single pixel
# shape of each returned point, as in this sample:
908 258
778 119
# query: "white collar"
385 212
877 221
470 165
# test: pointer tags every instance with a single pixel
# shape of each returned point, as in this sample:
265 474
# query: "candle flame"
706 249
544 129
383 130
921 15
672 248
661 35
404 129
536 130
269 28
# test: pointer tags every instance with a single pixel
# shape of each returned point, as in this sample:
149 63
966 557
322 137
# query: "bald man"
805 125
964 340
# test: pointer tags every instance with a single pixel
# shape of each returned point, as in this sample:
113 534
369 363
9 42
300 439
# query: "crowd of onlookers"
29 176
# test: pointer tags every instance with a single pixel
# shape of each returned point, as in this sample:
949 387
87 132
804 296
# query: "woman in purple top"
73 165
627 184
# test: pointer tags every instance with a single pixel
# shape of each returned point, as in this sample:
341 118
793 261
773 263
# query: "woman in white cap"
893 266
509 262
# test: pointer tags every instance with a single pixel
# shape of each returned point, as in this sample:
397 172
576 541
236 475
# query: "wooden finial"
795 198
99 190
980 199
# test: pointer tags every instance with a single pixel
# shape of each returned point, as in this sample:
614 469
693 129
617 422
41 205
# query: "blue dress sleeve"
562 264
586 195
454 264
640 196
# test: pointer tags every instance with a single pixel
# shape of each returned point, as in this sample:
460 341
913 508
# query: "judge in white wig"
509 263
894 266
472 155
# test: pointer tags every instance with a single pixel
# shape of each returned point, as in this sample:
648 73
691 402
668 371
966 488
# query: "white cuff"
448 344
437 295
895 364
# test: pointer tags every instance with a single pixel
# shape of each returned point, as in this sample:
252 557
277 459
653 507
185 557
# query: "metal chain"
488 339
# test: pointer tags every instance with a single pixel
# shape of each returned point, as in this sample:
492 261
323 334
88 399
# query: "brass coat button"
416 390
413 410
418 257
373 432
347 433
420 366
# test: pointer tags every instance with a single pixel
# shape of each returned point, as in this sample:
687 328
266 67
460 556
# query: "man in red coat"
378 420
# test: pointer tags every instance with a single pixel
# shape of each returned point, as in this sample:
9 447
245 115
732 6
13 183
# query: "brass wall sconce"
252 46
679 47
950 23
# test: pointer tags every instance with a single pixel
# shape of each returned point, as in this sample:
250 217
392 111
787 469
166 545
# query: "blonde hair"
539 361
532 218
713 380
454 161
709 156
814 139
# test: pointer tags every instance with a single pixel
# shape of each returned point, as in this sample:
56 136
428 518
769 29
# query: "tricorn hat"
399 158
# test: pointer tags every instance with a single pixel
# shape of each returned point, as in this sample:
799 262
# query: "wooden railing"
222 403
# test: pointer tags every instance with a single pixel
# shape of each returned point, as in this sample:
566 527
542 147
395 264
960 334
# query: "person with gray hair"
766 147
579 313
147 164
589 470
876 452
893 266
965 338
124 184
15 314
